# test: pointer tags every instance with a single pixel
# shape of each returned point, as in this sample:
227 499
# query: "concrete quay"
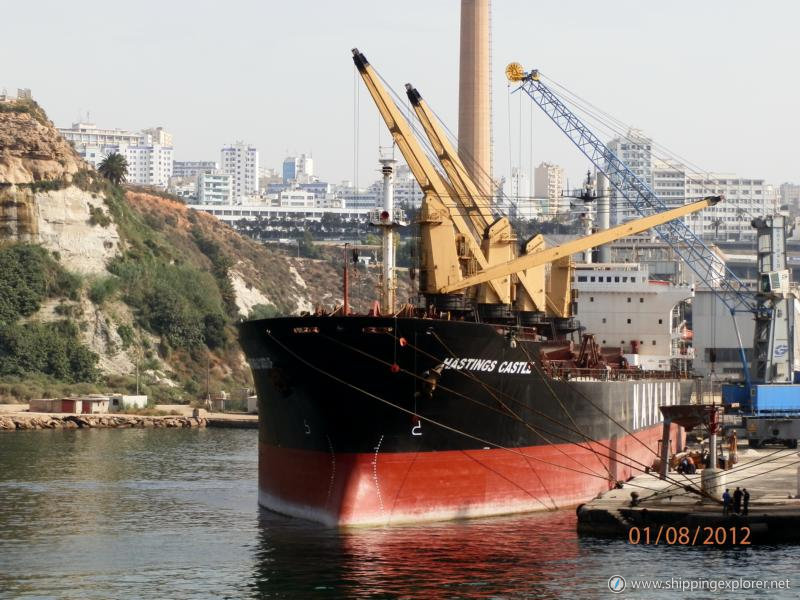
25 421
16 417
664 507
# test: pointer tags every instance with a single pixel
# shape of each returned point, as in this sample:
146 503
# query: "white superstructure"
622 307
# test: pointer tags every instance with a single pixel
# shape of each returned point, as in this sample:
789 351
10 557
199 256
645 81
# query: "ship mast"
388 219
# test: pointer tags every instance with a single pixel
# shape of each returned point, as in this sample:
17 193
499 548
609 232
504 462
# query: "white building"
635 151
622 307
214 188
676 184
183 187
149 152
406 191
158 135
240 161
790 197
295 197
148 165
523 204
744 199
548 182
193 168
357 198
88 134
234 213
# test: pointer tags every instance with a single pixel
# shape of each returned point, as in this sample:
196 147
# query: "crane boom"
439 211
687 245
478 207
579 245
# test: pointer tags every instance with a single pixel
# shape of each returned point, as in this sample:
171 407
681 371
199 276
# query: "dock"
668 514
232 420
18 417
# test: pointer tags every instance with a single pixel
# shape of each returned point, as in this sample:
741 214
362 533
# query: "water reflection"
172 514
484 558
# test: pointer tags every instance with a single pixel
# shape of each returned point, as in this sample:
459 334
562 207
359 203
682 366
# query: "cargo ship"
480 395
378 420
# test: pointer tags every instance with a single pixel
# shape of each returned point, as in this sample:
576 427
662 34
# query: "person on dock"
726 502
746 501
737 501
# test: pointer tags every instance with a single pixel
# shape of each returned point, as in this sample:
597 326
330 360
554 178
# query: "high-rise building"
240 161
148 165
298 169
548 183
635 151
790 197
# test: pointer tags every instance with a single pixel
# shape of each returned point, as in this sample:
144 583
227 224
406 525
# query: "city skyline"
290 88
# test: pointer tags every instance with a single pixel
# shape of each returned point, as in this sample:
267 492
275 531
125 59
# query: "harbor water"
172 514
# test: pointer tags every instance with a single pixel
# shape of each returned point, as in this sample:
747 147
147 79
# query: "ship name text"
486 365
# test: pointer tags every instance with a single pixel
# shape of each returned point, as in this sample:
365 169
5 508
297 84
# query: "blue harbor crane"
770 394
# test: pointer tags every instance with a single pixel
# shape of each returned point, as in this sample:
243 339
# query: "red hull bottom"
386 487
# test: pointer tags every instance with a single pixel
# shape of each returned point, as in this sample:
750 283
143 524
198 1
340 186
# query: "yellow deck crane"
450 247
476 252
596 239
498 243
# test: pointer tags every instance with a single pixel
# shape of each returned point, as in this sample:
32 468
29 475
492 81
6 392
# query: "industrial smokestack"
474 94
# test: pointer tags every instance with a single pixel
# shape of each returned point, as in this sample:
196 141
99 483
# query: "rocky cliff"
160 287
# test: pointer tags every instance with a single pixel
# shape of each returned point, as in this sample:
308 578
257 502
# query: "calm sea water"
173 514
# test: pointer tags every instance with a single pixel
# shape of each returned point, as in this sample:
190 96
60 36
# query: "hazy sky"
714 81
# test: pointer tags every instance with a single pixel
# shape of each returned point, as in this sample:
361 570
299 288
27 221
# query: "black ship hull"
378 420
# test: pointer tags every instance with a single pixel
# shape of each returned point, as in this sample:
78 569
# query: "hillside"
98 280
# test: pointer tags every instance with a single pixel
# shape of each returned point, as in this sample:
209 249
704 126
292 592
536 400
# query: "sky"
714 81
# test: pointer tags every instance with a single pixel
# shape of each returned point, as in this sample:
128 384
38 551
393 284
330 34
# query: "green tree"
307 247
214 330
262 311
114 167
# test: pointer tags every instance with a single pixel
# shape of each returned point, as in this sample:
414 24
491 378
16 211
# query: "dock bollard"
712 481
